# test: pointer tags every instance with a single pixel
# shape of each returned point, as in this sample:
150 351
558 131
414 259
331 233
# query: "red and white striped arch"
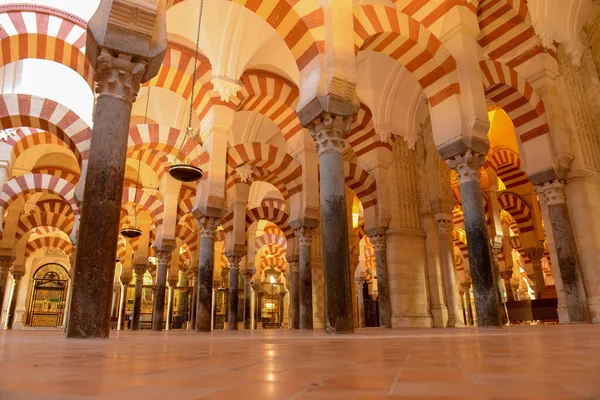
430 12
386 30
273 250
506 32
518 209
274 262
270 239
507 165
362 137
23 110
34 31
361 183
300 25
284 171
274 215
508 220
459 238
158 162
517 98
55 242
69 176
35 219
273 203
273 96
55 206
145 201
187 198
26 138
32 183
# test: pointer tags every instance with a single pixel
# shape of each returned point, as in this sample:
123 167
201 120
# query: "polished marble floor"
527 362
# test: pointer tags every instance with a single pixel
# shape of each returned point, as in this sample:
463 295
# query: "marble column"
360 301
329 132
445 225
123 303
487 304
552 193
5 265
281 307
193 299
158 308
467 288
506 277
14 295
536 255
140 270
114 310
383 287
294 314
256 288
170 301
248 299
204 306
305 236
234 268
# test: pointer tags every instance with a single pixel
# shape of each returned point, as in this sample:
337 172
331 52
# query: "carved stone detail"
164 255
379 242
136 15
208 226
305 235
342 88
226 87
552 192
234 261
467 165
329 132
118 76
359 282
445 226
294 266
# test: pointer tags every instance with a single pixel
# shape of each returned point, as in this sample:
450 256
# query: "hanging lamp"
188 172
134 231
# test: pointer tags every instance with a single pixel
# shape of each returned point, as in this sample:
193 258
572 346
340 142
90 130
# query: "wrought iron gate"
48 298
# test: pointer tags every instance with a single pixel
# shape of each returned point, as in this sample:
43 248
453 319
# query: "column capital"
534 253
552 192
466 286
140 269
234 260
6 263
125 280
359 282
379 241
248 275
329 131
445 225
208 226
117 75
506 274
305 235
164 254
17 275
467 165
256 286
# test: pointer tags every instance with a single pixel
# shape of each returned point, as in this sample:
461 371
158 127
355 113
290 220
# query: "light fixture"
188 172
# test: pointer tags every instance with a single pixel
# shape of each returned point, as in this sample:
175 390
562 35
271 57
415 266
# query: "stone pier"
140 270
5 264
234 265
158 309
379 241
123 303
294 313
208 226
248 299
445 225
305 236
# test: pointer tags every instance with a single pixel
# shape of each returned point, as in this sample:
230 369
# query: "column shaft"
14 295
158 308
122 305
360 301
194 301
506 276
3 280
248 300
137 299
305 236
205 277
383 286
467 288
232 323
449 273
170 301
294 313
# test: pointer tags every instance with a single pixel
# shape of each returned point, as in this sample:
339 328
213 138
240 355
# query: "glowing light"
355 220
272 279
269 306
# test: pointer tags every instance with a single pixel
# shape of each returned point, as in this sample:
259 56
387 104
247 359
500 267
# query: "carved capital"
257 286
359 282
552 192
329 132
139 270
506 275
534 254
294 266
466 286
234 261
125 281
445 226
164 255
118 76
17 274
467 165
248 274
305 235
226 87
5 263
208 226
379 242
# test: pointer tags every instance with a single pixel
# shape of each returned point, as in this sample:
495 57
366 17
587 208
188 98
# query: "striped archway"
518 209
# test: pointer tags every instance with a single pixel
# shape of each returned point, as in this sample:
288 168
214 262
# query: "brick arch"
270 239
387 31
69 176
274 250
274 215
274 203
505 27
459 238
26 138
55 206
187 199
518 209
156 161
145 201
17 110
509 221
187 232
46 33
32 183
56 242
270 164
299 25
272 96
361 183
507 165
35 219
362 137
279 262
505 87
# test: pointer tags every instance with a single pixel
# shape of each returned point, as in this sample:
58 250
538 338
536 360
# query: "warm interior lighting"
270 306
355 220
272 279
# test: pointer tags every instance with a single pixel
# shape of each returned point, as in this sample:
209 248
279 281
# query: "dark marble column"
259 294
193 299
170 304
535 255
487 304
248 299
118 80
281 307
329 132
552 193
234 264
114 309
140 270
360 301
383 287
158 308
5 264
506 277
467 288
208 226
256 288
14 297
445 225
123 303
294 311
305 237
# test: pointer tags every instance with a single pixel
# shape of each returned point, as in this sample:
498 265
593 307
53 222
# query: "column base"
412 322
439 316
